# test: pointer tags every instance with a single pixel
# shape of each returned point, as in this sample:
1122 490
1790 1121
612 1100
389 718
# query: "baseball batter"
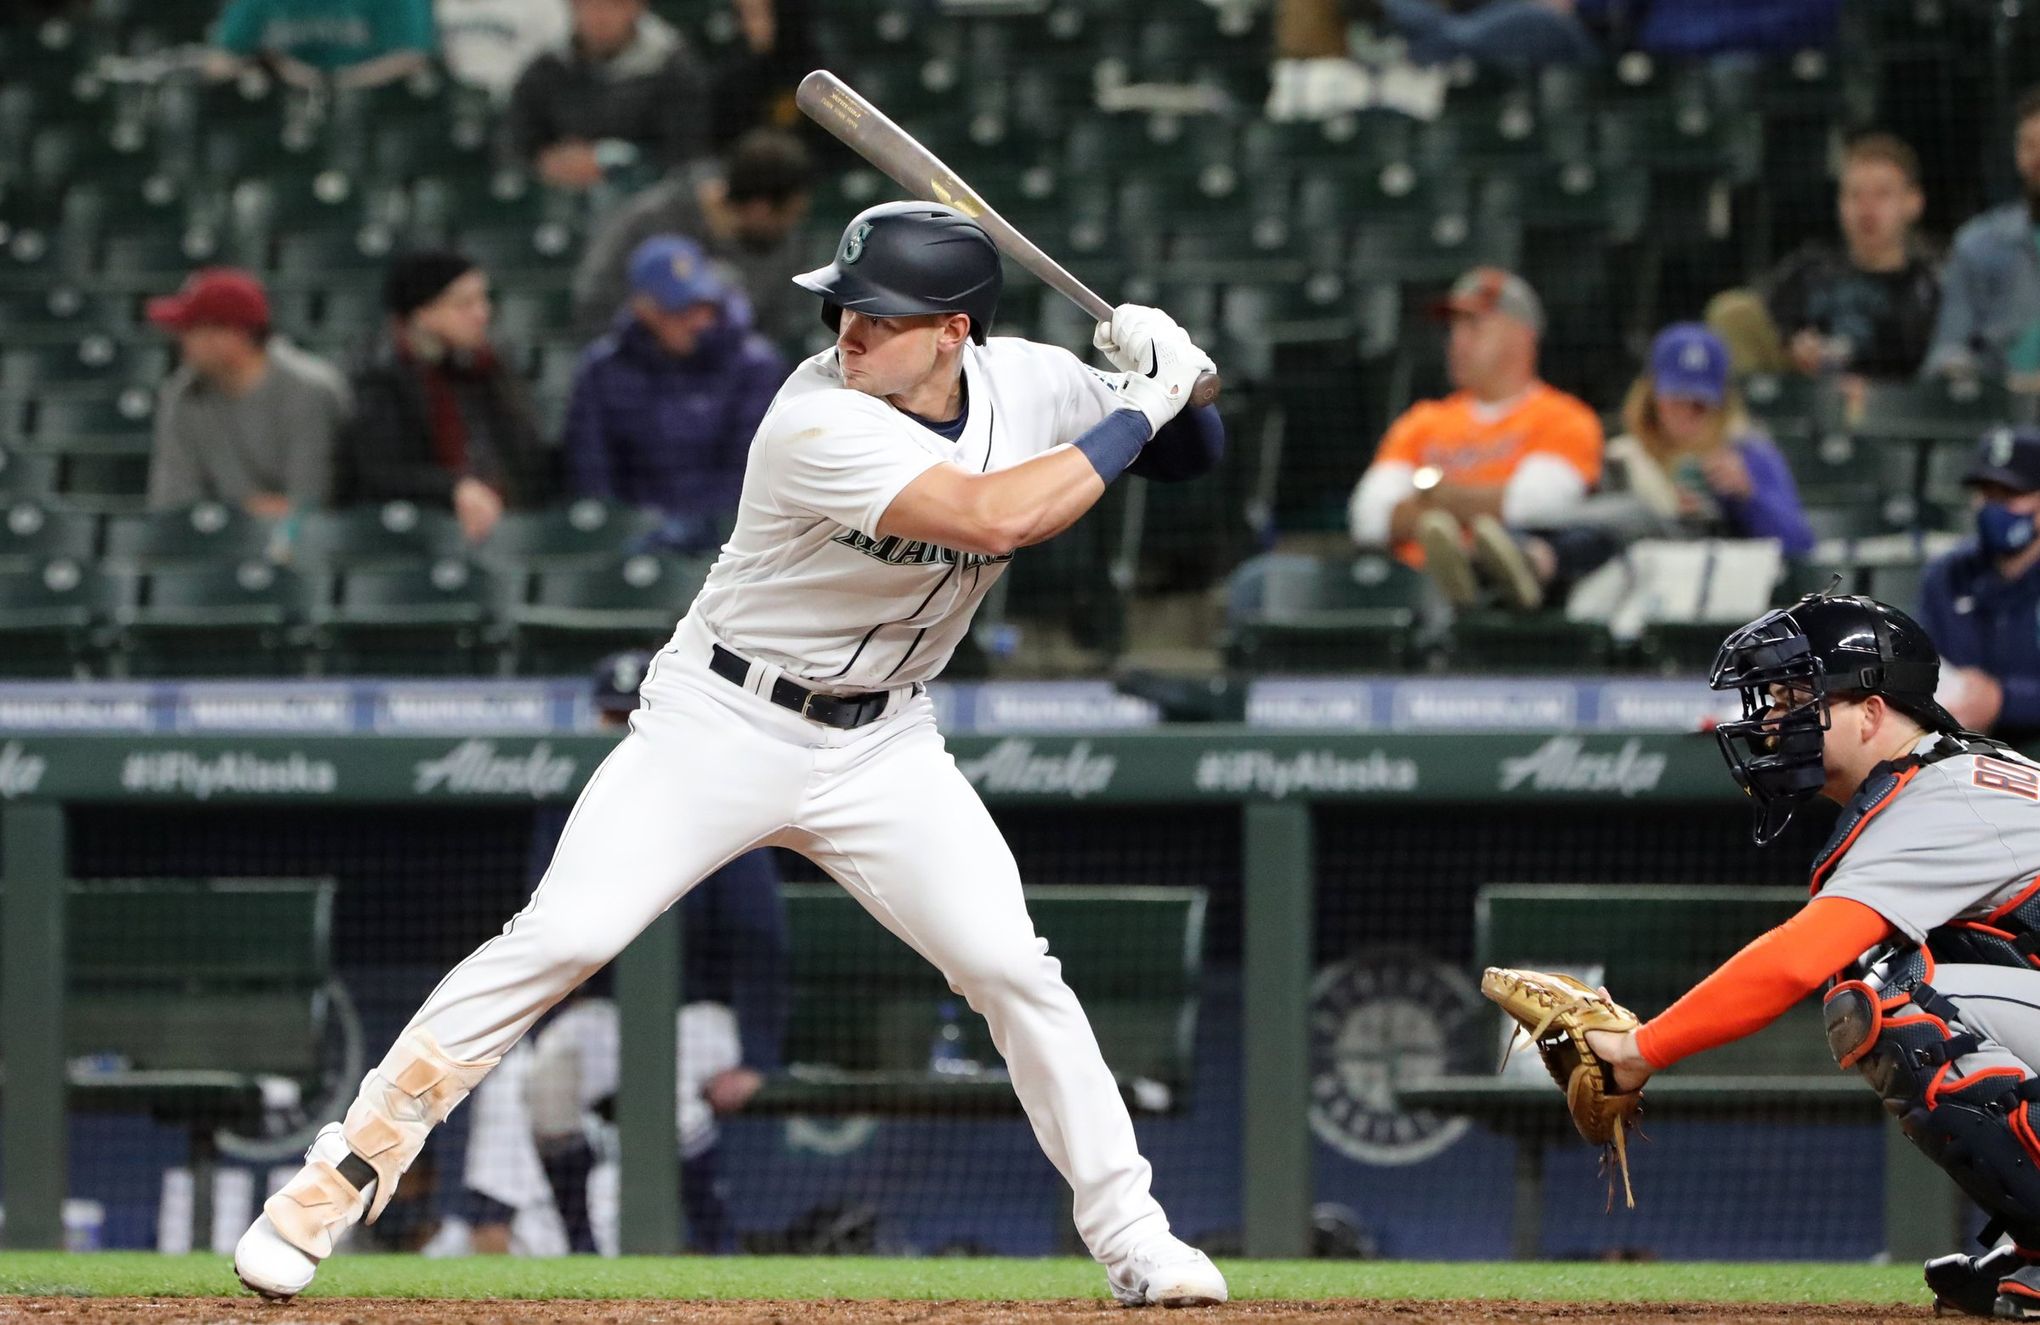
886 489
1924 920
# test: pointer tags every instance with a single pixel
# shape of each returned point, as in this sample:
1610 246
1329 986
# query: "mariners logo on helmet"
853 243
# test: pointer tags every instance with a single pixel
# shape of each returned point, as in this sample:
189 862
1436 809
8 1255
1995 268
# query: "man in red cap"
248 419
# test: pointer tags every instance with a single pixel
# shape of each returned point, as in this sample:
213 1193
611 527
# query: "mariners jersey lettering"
1959 840
807 584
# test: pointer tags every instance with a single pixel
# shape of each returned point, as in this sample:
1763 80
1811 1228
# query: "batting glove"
1158 363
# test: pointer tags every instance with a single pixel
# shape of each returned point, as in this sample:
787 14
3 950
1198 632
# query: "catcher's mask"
1822 647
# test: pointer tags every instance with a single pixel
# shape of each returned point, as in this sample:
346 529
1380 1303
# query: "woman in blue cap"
1693 455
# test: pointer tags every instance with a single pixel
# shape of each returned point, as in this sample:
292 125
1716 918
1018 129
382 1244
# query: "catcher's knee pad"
1979 1128
410 1092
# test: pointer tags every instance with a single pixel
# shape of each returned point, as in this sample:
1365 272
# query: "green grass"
143 1274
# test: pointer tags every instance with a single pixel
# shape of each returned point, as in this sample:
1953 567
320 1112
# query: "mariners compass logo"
853 243
1383 1019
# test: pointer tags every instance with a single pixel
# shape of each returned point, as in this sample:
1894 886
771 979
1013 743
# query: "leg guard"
409 1093
1974 1118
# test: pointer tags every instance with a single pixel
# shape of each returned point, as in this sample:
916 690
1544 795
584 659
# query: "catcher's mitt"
1558 1011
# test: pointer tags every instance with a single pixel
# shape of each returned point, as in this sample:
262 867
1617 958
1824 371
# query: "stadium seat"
25 474
1788 405
587 532
574 617
421 619
155 261
322 258
1358 144
392 534
1290 613
240 619
207 533
1933 409
1497 641
94 366
53 618
61 312
33 531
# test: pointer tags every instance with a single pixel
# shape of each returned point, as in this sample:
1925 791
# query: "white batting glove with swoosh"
1157 362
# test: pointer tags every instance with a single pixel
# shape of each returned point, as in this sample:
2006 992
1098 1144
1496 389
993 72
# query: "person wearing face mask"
1981 602
439 419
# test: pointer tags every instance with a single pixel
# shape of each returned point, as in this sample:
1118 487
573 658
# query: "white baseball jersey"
805 583
1955 839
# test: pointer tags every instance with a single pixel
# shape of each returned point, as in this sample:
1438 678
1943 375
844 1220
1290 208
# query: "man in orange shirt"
1924 920
1482 484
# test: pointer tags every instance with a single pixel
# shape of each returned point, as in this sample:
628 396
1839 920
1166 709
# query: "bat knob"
1205 389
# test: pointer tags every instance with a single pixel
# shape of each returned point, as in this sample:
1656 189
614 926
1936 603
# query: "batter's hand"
1157 362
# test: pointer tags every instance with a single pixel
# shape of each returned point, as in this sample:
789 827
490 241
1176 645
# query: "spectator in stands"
623 92
438 418
247 419
1866 309
1980 601
746 215
664 406
487 43
1691 454
1990 290
356 43
1717 27
755 83
731 1024
1505 452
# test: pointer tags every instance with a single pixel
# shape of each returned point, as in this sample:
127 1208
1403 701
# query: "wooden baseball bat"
836 106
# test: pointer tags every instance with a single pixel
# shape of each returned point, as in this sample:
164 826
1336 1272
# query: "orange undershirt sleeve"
1752 989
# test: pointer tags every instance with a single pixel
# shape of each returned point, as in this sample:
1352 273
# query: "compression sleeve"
1752 989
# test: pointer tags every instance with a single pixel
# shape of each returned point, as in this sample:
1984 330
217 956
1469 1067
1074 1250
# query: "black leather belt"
844 711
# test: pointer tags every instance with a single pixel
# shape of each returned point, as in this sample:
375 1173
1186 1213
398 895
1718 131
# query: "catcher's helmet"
900 259
1822 646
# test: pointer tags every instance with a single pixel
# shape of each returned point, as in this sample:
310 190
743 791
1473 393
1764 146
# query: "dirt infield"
371 1311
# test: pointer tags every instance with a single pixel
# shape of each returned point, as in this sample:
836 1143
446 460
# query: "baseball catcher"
1924 924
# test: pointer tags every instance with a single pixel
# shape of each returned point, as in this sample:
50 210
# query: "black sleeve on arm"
1188 446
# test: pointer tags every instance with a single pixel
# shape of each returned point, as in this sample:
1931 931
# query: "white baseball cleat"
266 1264
270 1264
1166 1272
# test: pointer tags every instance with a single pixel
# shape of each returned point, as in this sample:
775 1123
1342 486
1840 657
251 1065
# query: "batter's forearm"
995 513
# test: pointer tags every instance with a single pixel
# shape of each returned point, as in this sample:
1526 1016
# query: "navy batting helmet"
900 259
1823 645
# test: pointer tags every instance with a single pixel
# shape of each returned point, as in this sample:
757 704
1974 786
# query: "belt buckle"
807 699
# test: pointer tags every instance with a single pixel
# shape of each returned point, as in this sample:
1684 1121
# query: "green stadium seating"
207 533
1290 613
154 261
583 533
216 620
209 992
61 312
33 531
1933 409
95 366
53 618
25 474
418 619
1488 640
392 534
322 258
574 617
865 1006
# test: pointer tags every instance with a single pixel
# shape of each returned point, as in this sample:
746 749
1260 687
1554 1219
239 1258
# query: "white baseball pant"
711 770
